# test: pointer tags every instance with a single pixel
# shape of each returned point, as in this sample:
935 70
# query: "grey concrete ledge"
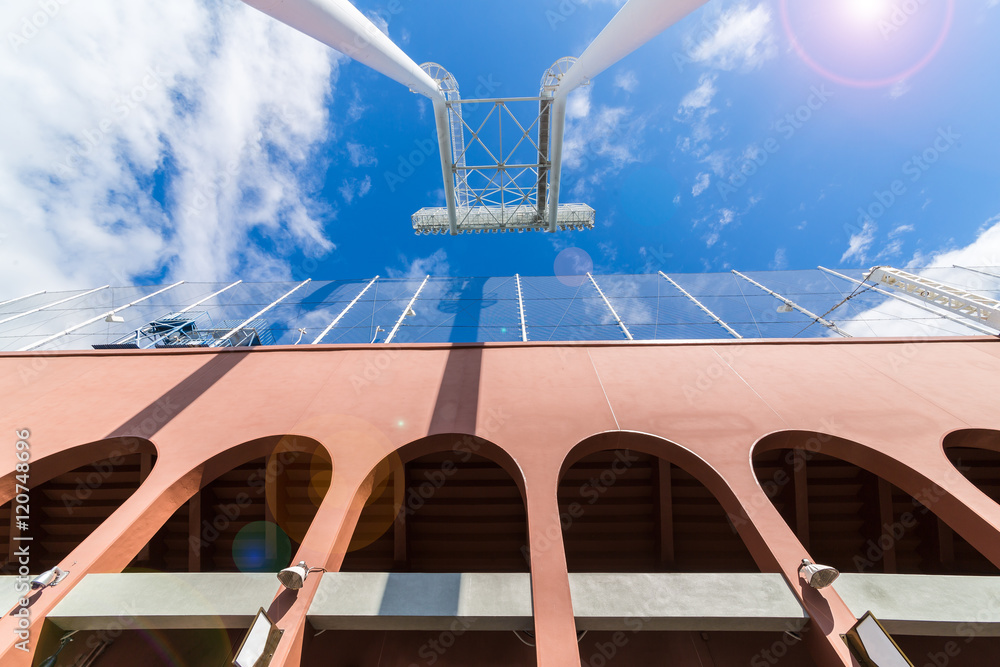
162 601
942 606
422 601
702 602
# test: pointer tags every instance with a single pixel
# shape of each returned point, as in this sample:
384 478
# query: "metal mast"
635 24
339 25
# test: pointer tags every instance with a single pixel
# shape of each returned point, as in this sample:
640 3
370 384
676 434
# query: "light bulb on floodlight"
48 578
294 577
817 576
410 312
115 319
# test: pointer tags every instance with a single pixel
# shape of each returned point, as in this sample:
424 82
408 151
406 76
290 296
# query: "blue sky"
752 135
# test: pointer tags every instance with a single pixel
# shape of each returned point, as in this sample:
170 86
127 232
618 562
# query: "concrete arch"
949 497
975 453
64 461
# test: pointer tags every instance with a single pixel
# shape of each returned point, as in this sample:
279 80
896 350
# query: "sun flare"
868 11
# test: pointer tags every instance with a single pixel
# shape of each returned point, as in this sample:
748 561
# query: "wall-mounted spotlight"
785 308
293 577
114 319
817 576
48 578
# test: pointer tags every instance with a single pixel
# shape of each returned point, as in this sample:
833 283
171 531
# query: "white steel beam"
611 308
789 302
704 309
97 319
343 312
916 304
978 308
635 24
409 308
339 25
210 296
50 305
21 298
258 314
520 309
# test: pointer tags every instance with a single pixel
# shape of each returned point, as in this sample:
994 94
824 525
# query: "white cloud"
900 230
704 180
578 104
432 265
984 251
603 140
701 97
216 104
360 155
743 39
627 81
860 242
354 188
780 262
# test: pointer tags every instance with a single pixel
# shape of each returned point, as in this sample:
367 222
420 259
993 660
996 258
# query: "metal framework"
406 311
913 302
344 312
980 309
791 304
607 303
102 316
505 193
702 306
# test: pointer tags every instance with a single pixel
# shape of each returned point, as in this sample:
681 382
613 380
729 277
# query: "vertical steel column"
789 302
255 316
520 309
21 298
343 312
50 305
406 310
635 24
698 303
95 319
915 304
608 304
210 296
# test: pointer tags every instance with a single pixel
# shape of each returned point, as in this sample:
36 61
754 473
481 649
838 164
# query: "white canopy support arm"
344 312
702 306
258 314
339 25
635 24
50 305
788 302
618 320
406 311
21 298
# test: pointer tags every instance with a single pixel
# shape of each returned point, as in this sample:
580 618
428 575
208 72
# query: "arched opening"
641 525
442 504
855 520
625 509
252 512
65 506
251 517
443 531
976 454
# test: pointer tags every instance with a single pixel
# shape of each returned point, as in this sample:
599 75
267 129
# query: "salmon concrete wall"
884 405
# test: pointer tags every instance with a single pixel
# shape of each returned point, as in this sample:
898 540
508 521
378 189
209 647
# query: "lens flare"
900 36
